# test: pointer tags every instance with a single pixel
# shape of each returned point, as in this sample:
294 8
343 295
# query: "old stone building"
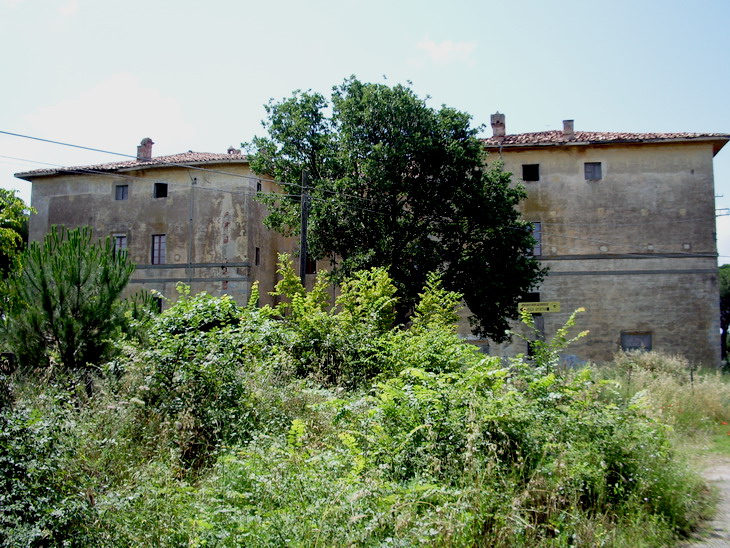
626 225
188 217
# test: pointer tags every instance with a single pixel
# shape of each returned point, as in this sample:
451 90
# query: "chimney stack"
144 150
497 124
568 132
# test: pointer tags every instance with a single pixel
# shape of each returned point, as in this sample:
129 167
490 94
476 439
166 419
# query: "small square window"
159 249
593 171
530 172
160 190
636 340
121 192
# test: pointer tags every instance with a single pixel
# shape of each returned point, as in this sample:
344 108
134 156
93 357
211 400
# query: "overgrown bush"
306 425
42 502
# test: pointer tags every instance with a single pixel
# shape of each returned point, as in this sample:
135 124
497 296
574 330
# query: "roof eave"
718 142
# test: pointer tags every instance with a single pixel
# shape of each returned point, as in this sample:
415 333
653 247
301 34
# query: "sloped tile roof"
182 160
557 138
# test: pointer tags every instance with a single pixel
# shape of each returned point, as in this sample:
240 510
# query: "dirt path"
716 533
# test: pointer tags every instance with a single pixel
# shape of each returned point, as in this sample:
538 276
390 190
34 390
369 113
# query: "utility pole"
303 231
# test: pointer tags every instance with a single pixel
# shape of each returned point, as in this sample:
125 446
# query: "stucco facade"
189 217
626 226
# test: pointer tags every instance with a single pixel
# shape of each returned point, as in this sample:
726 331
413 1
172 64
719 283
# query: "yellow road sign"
540 308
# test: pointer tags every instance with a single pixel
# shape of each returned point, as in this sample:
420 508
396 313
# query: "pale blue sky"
195 75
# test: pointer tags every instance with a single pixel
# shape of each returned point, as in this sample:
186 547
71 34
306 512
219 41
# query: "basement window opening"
636 340
530 172
160 190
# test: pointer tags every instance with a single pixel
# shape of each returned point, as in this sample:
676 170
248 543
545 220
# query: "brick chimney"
497 124
568 133
144 150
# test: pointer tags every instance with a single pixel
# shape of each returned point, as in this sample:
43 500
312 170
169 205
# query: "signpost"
540 308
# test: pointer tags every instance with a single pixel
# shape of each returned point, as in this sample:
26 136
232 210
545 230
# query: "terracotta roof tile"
557 137
185 158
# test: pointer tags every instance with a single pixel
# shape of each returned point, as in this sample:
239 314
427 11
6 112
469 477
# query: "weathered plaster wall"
211 220
636 248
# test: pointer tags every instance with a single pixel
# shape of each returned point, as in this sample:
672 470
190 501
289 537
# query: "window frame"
158 252
591 169
121 192
118 237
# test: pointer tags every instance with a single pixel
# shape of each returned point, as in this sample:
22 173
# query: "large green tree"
398 184
65 305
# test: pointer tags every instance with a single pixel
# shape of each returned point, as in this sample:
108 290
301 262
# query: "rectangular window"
120 242
310 266
159 250
636 340
160 190
592 171
121 192
258 186
530 172
537 235
257 256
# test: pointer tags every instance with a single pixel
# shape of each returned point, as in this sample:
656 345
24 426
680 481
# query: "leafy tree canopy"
13 230
400 185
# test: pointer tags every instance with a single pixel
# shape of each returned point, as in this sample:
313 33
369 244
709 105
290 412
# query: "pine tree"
65 306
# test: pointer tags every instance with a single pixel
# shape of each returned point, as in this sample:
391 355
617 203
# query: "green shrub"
42 502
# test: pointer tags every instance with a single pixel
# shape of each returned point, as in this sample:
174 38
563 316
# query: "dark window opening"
311 266
121 192
257 256
636 340
258 186
593 171
158 304
530 172
159 250
160 190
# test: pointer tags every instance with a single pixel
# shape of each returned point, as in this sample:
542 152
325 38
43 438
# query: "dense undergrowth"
303 425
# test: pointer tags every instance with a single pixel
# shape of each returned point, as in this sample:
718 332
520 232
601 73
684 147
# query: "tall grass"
693 401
